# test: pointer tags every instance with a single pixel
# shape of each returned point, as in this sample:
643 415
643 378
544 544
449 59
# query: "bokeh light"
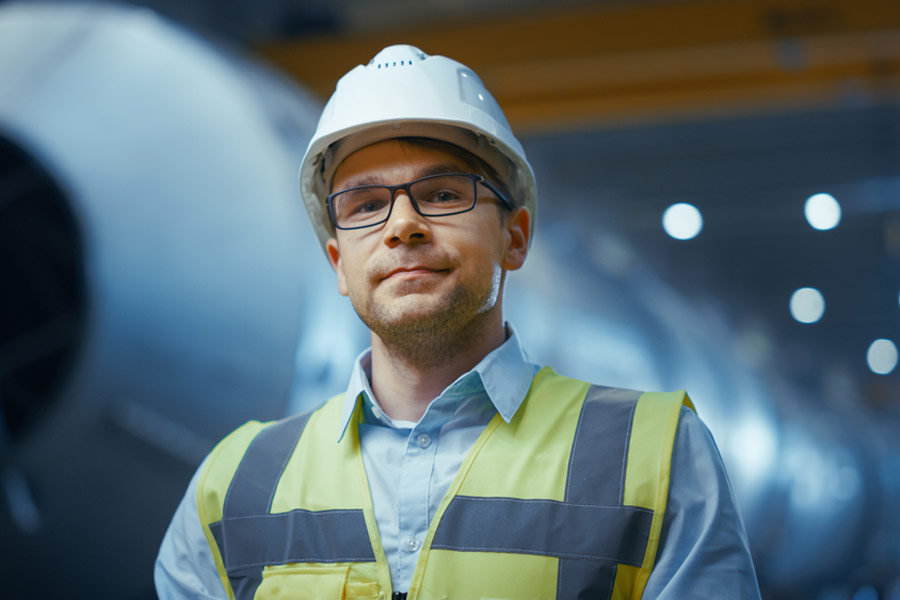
807 305
882 356
682 221
822 211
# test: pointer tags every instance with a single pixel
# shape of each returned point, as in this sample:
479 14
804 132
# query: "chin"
408 311
435 311
408 314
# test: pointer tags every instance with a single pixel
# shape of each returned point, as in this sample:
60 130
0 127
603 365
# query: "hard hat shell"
404 92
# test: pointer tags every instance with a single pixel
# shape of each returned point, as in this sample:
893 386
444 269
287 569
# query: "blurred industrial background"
719 189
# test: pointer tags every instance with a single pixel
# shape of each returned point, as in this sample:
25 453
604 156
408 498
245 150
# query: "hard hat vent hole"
402 63
397 56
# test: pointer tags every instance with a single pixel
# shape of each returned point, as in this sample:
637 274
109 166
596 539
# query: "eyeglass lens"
435 197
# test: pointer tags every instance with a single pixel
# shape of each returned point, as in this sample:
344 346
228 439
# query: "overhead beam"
602 65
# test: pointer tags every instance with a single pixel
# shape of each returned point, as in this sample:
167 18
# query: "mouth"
413 271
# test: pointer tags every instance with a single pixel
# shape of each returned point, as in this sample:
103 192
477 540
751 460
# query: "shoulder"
696 452
700 484
546 376
704 548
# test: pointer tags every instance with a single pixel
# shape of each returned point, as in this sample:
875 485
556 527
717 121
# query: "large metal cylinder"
153 253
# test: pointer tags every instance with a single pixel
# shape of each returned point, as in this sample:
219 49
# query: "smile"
413 272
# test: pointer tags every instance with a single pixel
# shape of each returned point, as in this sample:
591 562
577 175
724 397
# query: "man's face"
418 275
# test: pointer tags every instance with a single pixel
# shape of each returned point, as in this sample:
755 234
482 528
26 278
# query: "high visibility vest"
565 501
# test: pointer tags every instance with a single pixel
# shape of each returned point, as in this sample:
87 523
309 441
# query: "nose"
405 225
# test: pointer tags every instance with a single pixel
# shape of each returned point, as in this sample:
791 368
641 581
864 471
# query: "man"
452 467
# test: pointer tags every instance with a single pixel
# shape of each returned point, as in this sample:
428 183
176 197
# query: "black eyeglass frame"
393 189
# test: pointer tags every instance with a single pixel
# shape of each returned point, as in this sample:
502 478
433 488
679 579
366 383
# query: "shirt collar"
505 375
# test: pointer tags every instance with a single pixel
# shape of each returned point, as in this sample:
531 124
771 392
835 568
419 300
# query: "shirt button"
424 440
412 544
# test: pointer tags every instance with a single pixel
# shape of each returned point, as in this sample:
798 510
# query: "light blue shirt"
703 550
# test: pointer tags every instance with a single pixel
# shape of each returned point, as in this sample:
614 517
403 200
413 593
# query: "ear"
518 231
334 255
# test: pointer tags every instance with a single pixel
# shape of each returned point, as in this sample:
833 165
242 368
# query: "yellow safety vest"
565 501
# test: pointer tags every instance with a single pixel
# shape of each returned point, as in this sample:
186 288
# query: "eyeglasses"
432 196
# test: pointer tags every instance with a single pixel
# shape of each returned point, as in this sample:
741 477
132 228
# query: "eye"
361 203
443 192
443 196
368 207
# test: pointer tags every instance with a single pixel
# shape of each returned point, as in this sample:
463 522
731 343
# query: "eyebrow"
369 179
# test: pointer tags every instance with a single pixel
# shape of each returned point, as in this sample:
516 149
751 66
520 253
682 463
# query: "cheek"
349 272
485 260
353 279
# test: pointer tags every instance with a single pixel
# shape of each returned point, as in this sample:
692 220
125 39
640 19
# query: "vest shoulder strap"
650 447
237 487
212 486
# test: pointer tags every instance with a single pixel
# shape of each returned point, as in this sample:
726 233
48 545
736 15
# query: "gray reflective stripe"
296 536
250 537
253 486
244 585
590 531
544 527
596 476
585 580
251 491
599 451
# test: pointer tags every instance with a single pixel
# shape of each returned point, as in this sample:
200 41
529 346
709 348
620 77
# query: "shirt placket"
415 477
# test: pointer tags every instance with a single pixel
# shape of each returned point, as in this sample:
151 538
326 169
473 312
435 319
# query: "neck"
405 379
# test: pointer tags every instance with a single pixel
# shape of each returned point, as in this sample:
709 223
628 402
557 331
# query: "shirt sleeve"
703 551
185 569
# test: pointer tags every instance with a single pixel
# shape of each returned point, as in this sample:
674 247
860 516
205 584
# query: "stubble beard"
431 335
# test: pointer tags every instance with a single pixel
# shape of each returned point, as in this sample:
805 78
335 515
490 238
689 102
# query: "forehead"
394 161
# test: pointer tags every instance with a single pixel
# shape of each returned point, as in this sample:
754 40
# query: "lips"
413 270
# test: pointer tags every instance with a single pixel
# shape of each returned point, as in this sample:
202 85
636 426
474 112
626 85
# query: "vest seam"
243 458
575 442
293 510
612 580
548 500
626 453
287 458
348 559
587 557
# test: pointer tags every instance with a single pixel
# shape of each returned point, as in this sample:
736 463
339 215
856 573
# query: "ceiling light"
882 356
822 211
682 221
807 305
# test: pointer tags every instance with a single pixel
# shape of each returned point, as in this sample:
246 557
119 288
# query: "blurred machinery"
161 285
153 257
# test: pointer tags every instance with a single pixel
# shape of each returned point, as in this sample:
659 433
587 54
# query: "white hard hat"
404 92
